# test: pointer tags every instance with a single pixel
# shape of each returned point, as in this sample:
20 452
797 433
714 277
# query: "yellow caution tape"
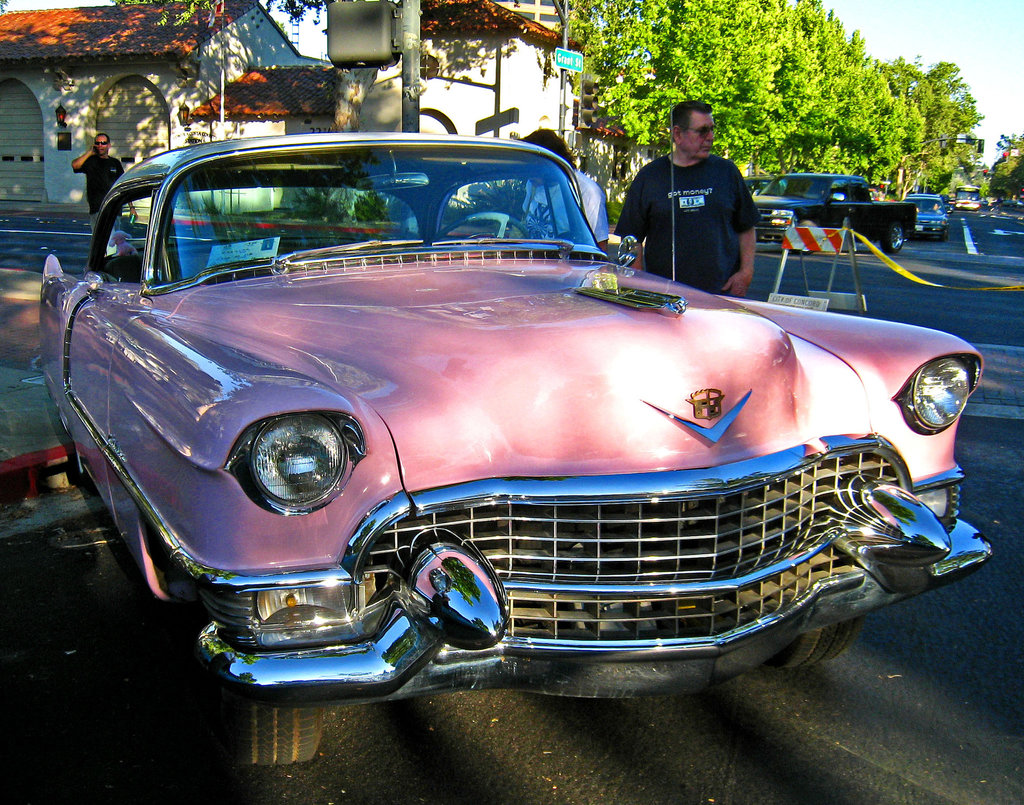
914 278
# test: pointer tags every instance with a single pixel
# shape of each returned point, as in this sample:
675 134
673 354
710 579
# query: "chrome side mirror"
627 251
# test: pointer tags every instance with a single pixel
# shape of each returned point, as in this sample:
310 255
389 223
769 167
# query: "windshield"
250 209
929 204
810 187
968 193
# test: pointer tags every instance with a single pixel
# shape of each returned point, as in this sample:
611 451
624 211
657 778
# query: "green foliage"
791 90
1007 179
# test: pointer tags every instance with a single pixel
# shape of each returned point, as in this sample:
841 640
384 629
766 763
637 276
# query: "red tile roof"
104 33
480 17
275 92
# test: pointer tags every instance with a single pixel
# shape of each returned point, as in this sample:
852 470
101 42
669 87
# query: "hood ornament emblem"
707 404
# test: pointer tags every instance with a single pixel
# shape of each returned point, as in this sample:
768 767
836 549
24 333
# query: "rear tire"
821 645
270 735
894 238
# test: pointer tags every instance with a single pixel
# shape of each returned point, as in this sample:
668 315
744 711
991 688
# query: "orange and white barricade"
815 239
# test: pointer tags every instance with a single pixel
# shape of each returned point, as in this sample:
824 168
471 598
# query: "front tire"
270 735
894 238
821 645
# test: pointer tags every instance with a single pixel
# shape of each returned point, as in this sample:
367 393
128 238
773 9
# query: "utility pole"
410 65
562 7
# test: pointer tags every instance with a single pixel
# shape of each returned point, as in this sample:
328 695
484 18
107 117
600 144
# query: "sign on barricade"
814 239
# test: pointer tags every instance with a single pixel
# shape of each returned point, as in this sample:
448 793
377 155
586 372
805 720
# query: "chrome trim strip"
943 479
669 590
543 645
116 460
640 487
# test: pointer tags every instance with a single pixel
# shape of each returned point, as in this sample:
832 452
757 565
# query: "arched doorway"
21 143
136 118
434 122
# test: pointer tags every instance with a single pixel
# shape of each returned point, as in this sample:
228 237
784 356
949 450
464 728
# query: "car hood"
481 372
782 202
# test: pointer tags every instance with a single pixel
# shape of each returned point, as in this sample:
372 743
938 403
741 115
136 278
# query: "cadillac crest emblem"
707 403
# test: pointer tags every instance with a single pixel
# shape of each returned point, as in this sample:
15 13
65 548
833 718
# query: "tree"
791 90
1007 177
947 110
351 86
722 52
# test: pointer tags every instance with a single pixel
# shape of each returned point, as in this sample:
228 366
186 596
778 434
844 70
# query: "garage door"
135 118
21 143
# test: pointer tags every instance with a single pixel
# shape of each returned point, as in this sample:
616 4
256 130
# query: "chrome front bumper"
414 652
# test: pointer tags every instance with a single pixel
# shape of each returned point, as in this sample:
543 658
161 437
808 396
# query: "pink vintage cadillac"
382 405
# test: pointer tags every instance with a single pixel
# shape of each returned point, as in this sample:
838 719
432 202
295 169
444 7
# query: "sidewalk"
33 443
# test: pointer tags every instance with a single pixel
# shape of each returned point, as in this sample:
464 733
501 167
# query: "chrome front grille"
551 556
585 617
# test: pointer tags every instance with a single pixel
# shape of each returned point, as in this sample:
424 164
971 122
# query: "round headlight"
940 392
297 461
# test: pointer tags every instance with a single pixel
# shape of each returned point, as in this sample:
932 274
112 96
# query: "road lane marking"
968 240
45 232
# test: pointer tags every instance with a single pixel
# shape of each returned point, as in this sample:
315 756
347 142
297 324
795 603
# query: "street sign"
569 60
495 122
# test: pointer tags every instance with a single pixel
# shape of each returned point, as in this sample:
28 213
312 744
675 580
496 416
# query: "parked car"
381 404
829 200
755 184
932 218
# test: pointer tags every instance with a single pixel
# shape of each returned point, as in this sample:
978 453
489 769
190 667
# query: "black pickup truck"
826 200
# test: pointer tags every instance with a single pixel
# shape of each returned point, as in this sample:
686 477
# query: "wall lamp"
183 115
62 116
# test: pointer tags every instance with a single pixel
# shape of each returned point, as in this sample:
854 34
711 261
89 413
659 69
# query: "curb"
25 476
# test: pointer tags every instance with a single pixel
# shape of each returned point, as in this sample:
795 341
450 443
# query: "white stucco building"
152 84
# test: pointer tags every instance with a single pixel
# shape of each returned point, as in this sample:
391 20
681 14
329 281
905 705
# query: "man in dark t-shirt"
101 171
701 200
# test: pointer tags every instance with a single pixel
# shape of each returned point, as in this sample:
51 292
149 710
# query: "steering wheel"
488 225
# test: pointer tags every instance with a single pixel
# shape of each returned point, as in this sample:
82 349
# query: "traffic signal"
363 34
588 102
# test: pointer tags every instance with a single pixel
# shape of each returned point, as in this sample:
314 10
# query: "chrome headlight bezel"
935 395
334 442
282 613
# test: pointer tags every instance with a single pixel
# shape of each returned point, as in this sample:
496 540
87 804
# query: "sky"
983 39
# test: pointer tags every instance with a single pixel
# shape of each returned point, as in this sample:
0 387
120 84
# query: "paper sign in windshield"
246 250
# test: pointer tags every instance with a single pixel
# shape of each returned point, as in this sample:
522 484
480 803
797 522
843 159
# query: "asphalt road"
103 702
